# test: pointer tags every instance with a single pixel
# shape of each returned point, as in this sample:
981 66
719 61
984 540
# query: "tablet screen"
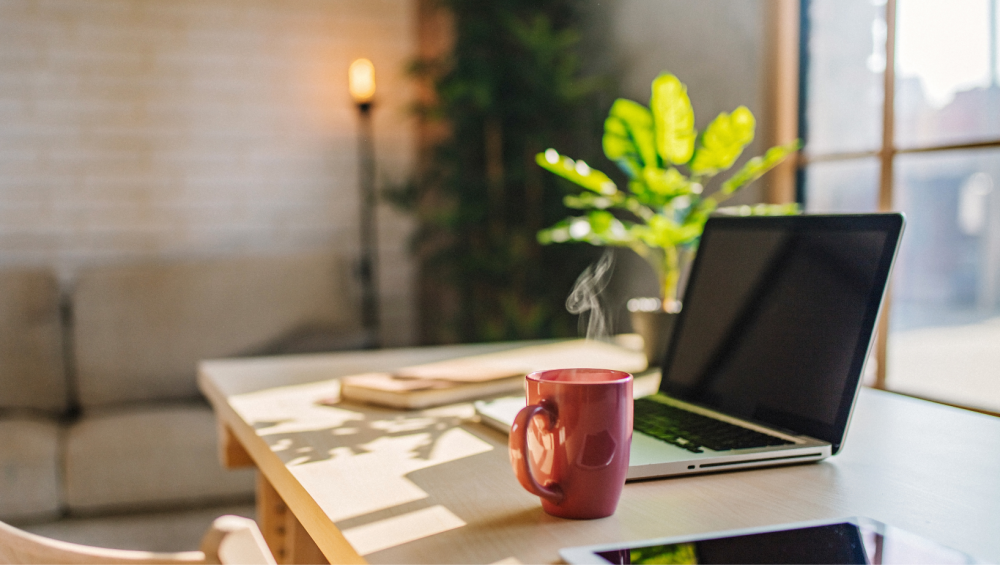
832 543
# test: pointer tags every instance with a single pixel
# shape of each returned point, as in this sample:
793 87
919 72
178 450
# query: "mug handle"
519 452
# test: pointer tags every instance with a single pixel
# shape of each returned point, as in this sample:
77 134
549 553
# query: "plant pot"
656 328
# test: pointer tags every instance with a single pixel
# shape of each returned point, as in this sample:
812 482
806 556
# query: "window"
900 110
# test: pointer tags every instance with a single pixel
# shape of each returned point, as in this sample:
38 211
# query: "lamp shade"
361 81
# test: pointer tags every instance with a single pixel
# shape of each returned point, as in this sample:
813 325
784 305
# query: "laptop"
768 351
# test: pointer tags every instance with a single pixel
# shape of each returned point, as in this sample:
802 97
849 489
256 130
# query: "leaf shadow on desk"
499 517
363 427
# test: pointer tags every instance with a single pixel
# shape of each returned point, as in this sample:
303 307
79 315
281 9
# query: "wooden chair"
231 539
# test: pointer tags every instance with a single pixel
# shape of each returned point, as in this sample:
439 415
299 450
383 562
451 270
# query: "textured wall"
149 129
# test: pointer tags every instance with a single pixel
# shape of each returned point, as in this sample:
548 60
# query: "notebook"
478 376
768 351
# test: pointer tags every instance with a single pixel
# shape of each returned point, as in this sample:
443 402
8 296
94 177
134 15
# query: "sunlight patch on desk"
385 457
461 411
379 484
398 530
453 445
399 425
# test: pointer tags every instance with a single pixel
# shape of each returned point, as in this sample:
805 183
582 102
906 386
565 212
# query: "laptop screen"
778 317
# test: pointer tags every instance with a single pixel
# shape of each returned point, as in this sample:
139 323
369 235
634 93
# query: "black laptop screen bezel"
890 224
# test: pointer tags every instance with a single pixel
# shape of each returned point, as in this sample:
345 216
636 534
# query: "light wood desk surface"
365 483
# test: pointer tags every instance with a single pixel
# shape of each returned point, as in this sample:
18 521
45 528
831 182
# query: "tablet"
850 540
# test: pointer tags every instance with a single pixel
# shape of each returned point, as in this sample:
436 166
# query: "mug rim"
622 376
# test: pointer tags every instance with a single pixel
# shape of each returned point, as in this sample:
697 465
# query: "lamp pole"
362 86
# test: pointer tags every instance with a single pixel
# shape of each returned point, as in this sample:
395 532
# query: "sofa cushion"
31 347
139 331
148 457
29 469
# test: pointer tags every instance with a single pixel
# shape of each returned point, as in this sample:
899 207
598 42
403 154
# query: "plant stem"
671 273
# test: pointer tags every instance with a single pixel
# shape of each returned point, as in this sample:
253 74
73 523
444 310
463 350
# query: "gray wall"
716 47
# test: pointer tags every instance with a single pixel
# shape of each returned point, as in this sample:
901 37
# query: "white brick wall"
143 129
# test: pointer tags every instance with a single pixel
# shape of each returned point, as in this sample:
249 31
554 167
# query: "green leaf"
673 118
600 221
663 232
761 210
641 209
628 136
598 227
640 190
576 171
643 195
756 167
558 233
723 141
618 146
669 182
589 200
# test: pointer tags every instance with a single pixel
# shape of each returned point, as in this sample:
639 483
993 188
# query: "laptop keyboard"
695 432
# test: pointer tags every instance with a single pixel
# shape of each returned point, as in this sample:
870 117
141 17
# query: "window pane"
842 186
944 341
844 79
946 75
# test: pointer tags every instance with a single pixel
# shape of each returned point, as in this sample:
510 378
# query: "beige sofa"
100 418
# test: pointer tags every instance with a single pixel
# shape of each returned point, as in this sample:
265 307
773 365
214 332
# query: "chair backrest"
231 539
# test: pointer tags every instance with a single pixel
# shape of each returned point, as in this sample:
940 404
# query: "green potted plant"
661 212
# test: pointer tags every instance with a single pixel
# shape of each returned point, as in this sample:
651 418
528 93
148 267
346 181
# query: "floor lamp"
361 81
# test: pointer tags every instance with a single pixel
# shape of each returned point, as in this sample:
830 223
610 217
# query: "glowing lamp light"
361 81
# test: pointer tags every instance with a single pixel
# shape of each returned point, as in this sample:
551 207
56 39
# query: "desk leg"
231 451
271 512
299 545
285 536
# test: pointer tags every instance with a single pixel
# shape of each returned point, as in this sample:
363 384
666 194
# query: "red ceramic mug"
570 444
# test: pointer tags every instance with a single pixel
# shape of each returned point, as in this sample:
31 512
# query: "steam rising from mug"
585 295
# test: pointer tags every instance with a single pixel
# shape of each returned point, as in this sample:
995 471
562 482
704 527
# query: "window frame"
886 153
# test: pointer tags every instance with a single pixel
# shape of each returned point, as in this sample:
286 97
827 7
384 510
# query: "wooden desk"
353 483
